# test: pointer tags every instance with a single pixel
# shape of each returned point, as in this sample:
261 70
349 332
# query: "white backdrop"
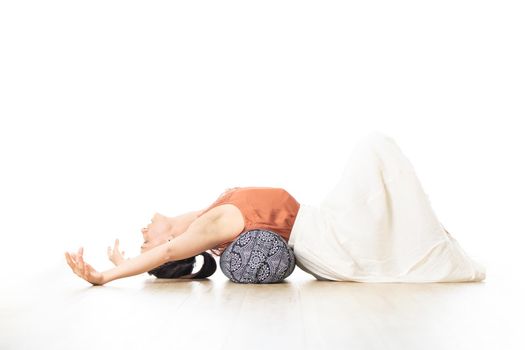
111 111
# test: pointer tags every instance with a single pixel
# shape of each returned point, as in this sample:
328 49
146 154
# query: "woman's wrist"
107 276
139 264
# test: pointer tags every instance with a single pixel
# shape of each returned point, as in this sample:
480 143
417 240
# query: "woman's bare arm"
203 234
200 236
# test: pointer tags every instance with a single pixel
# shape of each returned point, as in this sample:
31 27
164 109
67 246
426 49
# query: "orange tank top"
267 208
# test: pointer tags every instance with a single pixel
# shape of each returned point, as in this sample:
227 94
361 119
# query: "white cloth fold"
377 225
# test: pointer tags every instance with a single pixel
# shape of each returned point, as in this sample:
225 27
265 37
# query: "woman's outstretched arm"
203 234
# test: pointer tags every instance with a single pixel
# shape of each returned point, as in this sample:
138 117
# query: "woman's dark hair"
179 268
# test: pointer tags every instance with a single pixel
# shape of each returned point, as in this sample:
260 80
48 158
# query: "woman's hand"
83 269
115 255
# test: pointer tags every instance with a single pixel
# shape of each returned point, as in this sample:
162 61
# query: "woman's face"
156 233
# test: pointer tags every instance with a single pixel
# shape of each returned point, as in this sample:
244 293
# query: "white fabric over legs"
377 225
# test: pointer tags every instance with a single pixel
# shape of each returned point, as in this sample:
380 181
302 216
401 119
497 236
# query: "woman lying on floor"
376 225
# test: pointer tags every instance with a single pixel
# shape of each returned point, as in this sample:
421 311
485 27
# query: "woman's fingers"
70 261
79 266
115 246
82 268
82 265
72 258
72 264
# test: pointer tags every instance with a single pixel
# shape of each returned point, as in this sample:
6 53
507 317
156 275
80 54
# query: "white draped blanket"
377 225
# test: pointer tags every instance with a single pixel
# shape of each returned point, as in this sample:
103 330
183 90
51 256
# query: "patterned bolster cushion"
258 256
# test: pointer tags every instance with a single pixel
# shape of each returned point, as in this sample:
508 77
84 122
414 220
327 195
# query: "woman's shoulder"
253 191
228 190
267 188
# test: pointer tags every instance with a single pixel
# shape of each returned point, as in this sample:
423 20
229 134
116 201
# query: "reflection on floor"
60 311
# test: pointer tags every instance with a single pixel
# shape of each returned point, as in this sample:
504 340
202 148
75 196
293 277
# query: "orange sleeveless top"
267 208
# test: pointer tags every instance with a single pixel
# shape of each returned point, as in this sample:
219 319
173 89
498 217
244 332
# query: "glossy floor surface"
56 310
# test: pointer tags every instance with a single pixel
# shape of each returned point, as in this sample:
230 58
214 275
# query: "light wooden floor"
58 311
